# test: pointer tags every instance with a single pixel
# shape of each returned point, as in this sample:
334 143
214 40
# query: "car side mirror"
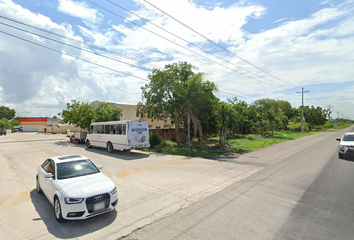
48 175
100 167
338 139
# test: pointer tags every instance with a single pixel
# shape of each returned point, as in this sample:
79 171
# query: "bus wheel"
88 144
110 147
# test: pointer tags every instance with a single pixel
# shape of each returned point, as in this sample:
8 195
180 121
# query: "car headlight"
343 147
69 200
114 191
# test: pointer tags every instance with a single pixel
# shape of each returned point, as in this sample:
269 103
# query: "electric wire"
79 41
216 44
82 49
188 42
77 47
194 52
84 60
99 65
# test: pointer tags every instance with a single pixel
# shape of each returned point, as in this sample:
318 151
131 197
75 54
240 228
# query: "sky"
54 51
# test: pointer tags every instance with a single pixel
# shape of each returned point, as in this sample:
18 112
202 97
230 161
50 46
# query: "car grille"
96 199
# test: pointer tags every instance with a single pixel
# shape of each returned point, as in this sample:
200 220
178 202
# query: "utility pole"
337 114
342 116
329 114
302 104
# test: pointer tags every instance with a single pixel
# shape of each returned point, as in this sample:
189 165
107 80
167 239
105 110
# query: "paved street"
150 187
303 192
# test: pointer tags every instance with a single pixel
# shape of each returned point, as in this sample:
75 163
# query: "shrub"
292 126
155 140
165 144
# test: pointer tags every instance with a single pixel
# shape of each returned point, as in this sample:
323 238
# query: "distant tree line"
81 114
176 92
7 118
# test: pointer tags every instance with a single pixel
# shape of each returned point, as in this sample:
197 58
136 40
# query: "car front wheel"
57 210
38 187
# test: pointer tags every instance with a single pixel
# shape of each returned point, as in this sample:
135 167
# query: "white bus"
123 135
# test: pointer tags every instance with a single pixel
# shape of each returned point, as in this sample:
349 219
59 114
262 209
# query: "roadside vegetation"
7 118
217 128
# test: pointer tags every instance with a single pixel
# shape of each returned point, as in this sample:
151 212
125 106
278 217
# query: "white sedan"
76 187
346 146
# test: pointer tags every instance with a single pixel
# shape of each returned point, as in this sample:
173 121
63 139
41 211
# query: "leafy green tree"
161 96
6 112
197 95
177 92
270 115
104 112
78 113
15 122
4 123
315 116
228 119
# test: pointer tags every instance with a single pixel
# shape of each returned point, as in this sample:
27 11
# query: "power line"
76 40
84 60
82 49
211 41
302 112
79 48
194 52
190 43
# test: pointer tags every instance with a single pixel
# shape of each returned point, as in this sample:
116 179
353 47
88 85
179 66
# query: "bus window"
124 129
107 129
113 129
99 129
119 129
91 129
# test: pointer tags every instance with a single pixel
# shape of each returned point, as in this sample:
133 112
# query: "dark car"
346 146
2 132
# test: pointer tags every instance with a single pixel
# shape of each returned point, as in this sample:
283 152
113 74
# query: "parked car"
75 187
346 146
2 132
18 129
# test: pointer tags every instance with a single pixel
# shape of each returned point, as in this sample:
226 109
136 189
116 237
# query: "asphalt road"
149 186
303 192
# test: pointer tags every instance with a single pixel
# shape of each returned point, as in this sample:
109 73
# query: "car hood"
85 186
347 143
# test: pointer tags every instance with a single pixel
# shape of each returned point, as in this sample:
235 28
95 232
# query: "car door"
41 179
49 183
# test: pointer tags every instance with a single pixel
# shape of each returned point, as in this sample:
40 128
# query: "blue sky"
274 48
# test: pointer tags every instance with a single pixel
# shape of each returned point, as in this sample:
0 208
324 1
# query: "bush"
165 144
155 140
292 126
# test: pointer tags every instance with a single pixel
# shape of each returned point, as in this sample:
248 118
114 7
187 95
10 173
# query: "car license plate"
99 206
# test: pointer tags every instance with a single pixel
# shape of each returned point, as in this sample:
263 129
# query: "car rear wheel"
57 210
110 147
88 144
38 187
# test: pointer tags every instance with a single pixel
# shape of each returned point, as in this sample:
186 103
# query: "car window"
51 167
45 165
348 138
75 169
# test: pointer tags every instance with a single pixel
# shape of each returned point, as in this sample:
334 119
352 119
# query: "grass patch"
236 145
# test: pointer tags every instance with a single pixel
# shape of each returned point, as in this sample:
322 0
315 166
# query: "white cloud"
318 49
79 10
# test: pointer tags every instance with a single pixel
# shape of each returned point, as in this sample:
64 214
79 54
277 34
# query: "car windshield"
348 138
75 169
